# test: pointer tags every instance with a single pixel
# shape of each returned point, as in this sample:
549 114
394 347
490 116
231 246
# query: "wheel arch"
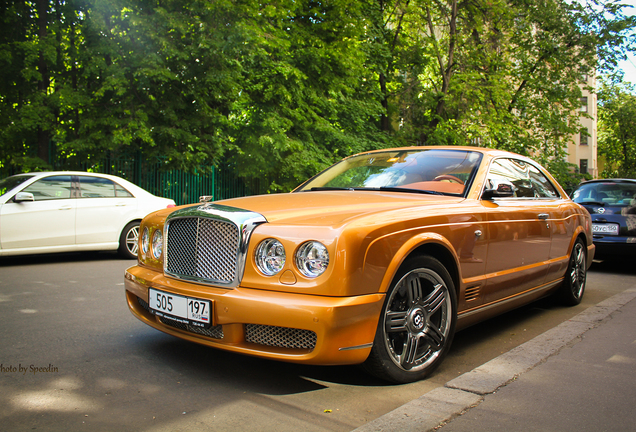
431 244
443 255
580 233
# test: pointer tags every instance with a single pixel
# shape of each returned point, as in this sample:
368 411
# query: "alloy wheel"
417 319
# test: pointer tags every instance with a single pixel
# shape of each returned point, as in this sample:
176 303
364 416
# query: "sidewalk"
578 376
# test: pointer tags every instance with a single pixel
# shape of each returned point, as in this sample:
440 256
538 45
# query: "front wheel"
129 241
571 292
417 323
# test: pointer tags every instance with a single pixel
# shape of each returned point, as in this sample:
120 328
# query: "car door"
47 221
103 208
519 234
562 221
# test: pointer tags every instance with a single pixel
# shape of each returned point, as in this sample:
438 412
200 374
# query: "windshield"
7 184
421 171
606 193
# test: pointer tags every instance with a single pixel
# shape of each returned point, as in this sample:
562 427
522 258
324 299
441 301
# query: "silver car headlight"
312 259
270 256
145 241
157 244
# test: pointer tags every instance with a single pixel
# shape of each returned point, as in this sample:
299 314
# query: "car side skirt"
489 310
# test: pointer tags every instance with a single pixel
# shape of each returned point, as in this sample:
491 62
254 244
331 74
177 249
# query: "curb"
439 406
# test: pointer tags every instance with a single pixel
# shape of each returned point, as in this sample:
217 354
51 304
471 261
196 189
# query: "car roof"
484 150
46 173
136 190
612 180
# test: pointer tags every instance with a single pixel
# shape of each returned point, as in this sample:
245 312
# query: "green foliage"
282 89
617 130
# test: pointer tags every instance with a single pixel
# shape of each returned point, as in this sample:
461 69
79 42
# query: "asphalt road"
73 358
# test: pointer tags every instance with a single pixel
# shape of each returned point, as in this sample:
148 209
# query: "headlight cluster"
311 258
155 245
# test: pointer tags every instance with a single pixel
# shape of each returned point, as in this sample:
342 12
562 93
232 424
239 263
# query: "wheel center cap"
417 320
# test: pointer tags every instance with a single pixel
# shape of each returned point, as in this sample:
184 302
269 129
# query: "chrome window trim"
245 221
558 196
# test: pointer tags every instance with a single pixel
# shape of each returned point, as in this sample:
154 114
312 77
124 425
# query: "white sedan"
72 211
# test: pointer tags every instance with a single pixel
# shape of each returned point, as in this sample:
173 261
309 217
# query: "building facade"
582 151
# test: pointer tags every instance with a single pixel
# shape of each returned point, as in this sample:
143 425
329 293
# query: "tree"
617 130
33 65
303 105
280 90
504 73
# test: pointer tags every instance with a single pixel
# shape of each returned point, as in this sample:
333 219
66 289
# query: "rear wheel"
129 241
417 323
571 292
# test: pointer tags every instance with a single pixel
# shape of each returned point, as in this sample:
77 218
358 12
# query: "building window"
584 136
583 166
584 104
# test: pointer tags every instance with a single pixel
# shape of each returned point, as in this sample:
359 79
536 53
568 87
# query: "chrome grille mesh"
202 248
283 337
213 332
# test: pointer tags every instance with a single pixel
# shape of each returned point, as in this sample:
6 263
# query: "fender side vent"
472 293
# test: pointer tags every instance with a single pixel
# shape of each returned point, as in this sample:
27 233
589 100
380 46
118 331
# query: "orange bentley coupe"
378 260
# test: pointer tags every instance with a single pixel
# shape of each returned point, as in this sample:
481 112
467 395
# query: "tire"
129 241
573 287
417 323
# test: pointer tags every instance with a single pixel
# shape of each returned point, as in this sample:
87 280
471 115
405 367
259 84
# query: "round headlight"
270 257
312 259
145 241
157 244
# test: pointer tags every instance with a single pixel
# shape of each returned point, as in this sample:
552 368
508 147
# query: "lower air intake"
283 337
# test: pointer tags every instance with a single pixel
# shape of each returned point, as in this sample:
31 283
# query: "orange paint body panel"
500 253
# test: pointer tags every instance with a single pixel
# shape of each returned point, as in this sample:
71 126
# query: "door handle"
65 208
543 216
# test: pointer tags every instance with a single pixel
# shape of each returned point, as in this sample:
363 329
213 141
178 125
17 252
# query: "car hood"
332 207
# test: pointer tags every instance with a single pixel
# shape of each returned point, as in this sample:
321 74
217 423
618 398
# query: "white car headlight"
270 257
157 244
312 259
145 241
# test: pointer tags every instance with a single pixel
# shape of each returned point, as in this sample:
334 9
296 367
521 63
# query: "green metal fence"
221 181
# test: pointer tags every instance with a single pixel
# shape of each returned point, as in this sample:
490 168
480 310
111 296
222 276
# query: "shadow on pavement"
64 257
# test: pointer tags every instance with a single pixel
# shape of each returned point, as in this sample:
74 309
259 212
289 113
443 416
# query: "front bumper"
340 329
614 246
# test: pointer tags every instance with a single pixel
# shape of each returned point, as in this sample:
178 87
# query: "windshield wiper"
382 188
599 203
329 188
398 189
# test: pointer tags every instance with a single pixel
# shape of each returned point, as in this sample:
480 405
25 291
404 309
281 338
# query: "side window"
96 187
512 171
542 187
527 180
121 192
51 188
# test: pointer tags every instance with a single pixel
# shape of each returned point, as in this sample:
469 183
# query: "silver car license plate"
183 309
605 228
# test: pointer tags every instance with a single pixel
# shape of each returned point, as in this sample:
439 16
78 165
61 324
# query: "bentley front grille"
202 249
282 337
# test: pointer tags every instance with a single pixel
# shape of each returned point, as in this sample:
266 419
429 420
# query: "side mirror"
23 197
500 189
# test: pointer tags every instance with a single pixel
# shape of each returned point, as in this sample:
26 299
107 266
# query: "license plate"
187 310
607 229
